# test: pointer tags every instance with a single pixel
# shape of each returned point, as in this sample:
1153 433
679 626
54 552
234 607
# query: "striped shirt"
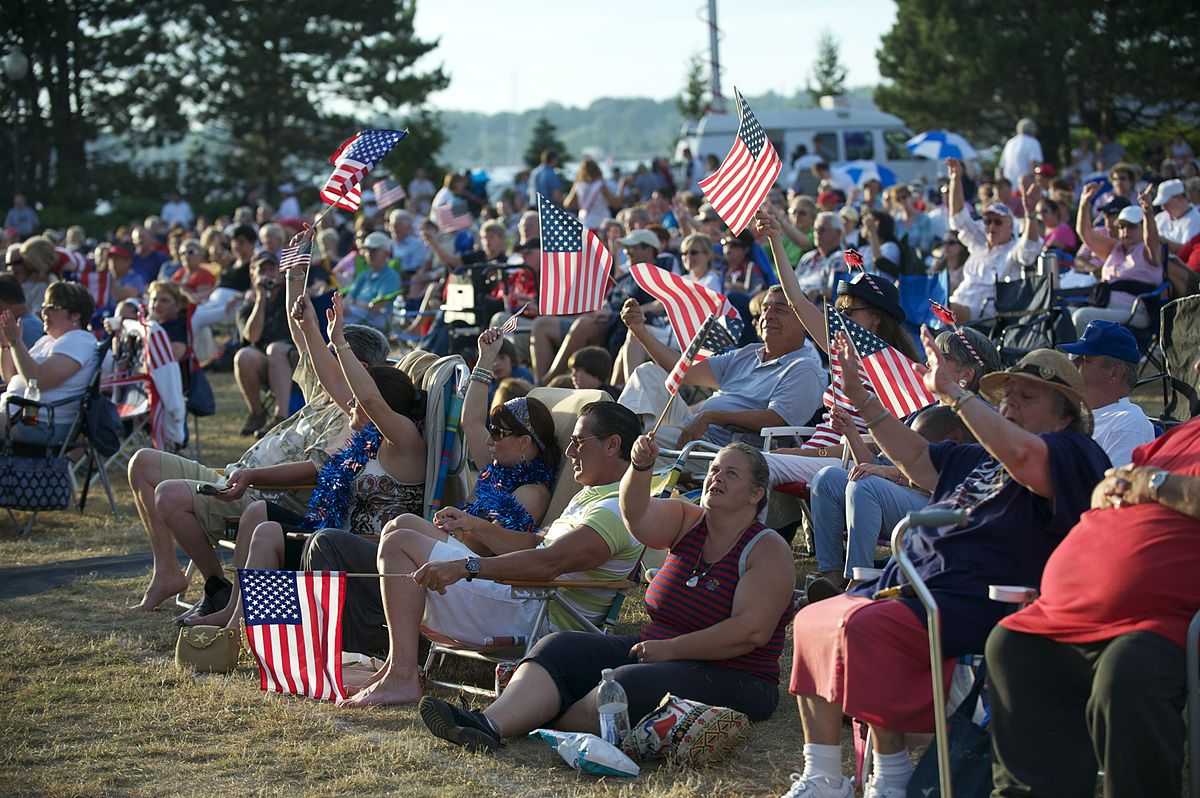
676 609
825 437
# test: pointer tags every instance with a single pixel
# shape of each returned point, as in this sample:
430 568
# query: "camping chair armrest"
1013 594
1139 300
768 433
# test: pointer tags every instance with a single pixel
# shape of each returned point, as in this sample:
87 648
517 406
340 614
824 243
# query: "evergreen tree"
691 102
544 137
828 76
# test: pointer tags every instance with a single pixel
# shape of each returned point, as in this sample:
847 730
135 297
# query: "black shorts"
292 549
574 661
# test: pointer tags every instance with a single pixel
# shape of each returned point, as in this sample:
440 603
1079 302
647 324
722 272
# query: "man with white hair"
818 264
1021 153
1178 221
407 247
995 253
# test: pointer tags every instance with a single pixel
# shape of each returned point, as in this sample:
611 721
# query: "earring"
962 383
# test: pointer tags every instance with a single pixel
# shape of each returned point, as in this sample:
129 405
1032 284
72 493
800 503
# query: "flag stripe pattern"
824 436
713 337
687 302
448 221
575 264
297 257
739 186
352 161
894 377
294 625
387 192
510 324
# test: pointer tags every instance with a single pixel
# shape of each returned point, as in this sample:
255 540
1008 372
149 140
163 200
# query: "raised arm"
1097 242
657 523
475 406
293 288
399 431
666 357
303 319
812 317
443 254
904 447
1150 228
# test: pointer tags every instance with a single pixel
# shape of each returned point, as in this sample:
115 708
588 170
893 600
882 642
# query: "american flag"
387 192
687 302
853 259
297 257
450 222
510 325
97 284
575 264
294 625
740 185
352 161
889 374
713 338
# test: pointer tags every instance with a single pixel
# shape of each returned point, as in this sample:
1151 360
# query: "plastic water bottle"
613 707
29 415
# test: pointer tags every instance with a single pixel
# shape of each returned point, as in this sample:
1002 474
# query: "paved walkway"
33 579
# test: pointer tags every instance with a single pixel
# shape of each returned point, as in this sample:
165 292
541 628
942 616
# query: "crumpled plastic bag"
588 753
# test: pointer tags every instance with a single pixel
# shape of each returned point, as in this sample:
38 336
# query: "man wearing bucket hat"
1022 487
1107 357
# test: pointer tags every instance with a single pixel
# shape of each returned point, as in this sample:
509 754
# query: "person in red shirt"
192 275
1189 253
1092 674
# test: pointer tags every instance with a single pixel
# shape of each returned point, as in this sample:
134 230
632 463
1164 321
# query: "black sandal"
217 592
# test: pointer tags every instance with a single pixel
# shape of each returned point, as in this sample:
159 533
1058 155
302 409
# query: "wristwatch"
472 568
1156 481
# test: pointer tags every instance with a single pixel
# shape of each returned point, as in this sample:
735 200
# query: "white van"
838 134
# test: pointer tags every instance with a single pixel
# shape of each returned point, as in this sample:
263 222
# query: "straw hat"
1044 367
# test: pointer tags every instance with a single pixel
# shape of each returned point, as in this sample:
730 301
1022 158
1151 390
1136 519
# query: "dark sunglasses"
499 433
696 252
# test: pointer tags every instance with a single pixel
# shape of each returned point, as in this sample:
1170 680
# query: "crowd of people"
1066 482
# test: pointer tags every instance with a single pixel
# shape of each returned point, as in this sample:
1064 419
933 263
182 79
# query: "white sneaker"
875 789
819 787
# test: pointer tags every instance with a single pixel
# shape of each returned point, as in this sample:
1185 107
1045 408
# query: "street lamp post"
16 67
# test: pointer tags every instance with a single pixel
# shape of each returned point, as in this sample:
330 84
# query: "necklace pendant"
693 581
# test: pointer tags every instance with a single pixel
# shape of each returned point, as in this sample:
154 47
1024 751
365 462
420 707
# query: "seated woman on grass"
516 440
379 474
718 610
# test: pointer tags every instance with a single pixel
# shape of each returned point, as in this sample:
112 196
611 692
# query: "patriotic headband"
519 408
946 316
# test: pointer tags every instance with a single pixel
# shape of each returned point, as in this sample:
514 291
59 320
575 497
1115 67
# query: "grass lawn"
94 706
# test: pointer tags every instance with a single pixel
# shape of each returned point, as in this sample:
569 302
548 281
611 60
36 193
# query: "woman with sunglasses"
191 275
951 256
517 441
697 253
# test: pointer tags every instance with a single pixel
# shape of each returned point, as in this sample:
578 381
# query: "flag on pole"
739 186
853 259
575 264
687 302
712 338
448 220
387 192
294 625
352 161
510 324
297 257
888 374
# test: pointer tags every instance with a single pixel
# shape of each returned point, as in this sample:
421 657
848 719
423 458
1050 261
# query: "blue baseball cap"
1106 338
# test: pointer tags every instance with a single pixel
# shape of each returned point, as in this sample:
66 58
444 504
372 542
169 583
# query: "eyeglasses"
948 241
574 442
994 221
733 242
695 253
500 433
853 308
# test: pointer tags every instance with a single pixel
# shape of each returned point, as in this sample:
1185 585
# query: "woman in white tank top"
589 195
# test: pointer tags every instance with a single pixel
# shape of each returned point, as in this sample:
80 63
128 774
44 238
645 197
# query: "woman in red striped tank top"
718 610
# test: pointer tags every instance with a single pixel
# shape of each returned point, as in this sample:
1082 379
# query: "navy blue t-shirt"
1010 533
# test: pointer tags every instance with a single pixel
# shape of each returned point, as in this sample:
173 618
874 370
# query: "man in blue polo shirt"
778 382
369 297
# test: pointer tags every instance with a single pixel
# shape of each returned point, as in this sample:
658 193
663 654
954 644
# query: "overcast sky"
521 54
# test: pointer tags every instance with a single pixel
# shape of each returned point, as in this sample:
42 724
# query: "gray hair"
949 342
368 344
1129 371
1027 127
398 214
832 218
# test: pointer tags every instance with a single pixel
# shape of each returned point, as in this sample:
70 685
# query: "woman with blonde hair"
34 266
589 195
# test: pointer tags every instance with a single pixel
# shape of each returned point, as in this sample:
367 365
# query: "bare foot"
159 590
390 690
219 618
358 684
